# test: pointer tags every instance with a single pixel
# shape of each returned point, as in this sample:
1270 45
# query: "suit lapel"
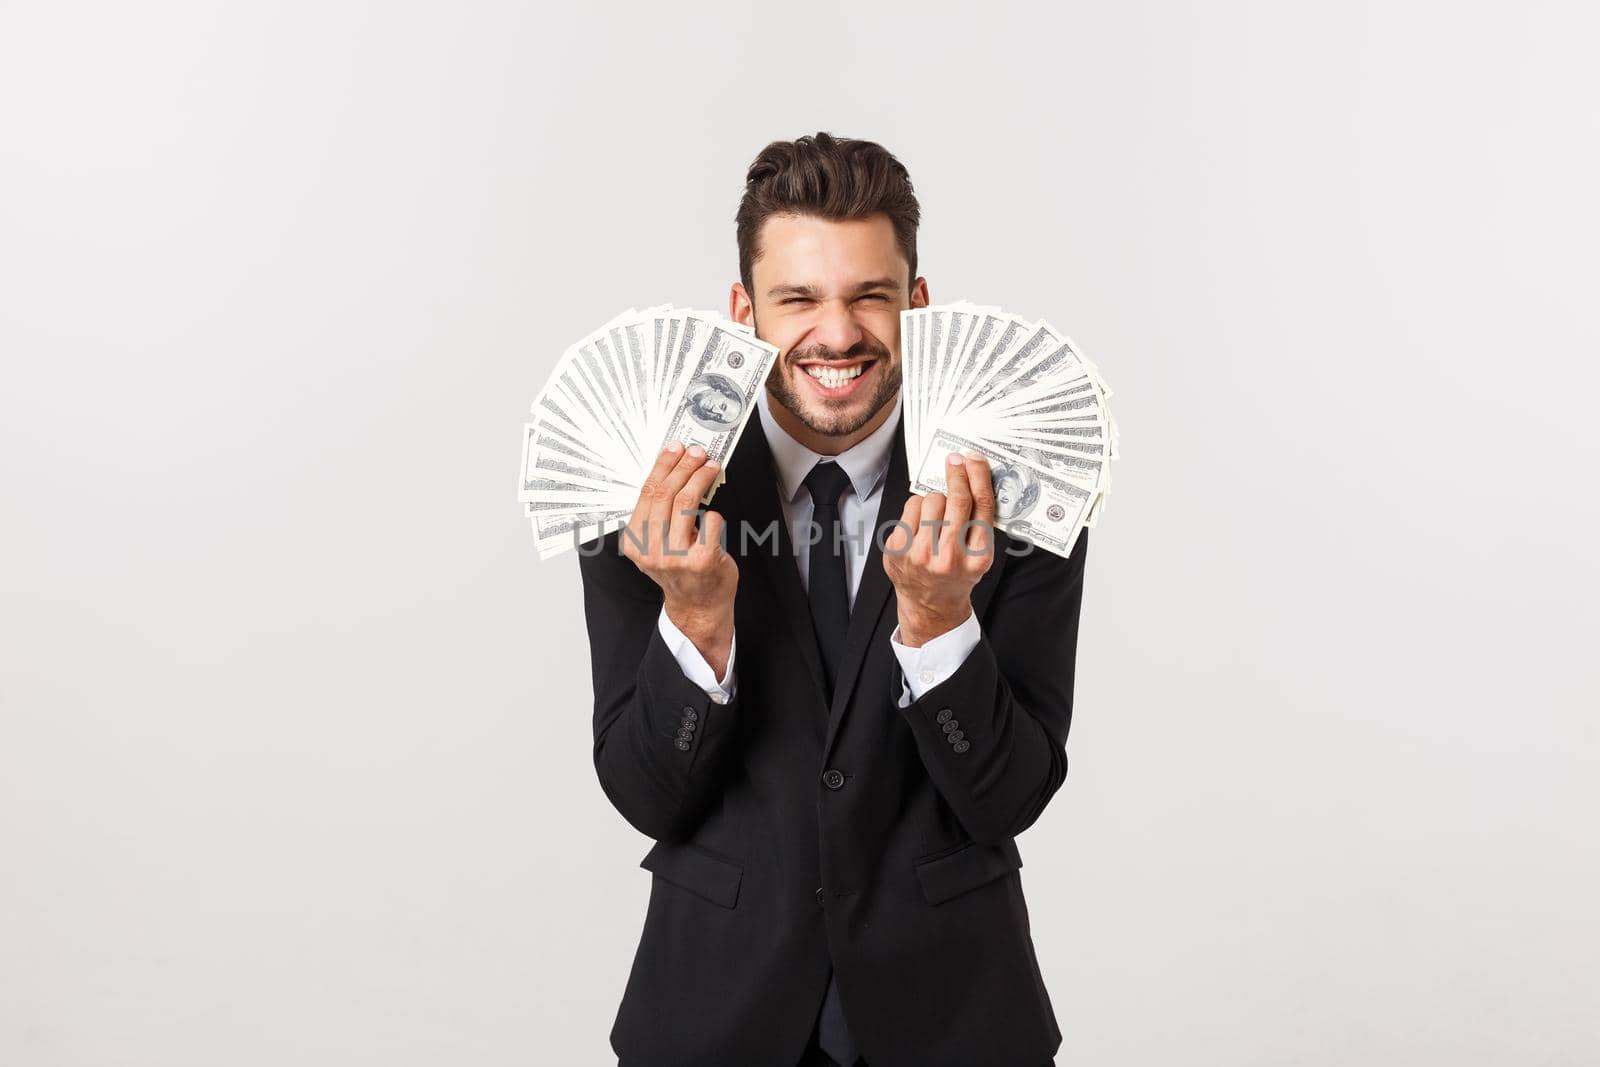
753 483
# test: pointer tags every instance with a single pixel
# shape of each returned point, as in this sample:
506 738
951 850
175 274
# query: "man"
835 726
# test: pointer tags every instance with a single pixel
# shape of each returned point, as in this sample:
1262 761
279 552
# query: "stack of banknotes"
614 401
976 379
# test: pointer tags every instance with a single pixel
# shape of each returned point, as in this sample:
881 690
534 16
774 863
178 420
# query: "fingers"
682 530
958 494
980 535
663 501
665 461
929 532
711 532
897 542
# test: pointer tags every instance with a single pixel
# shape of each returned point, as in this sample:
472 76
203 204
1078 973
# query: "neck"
820 443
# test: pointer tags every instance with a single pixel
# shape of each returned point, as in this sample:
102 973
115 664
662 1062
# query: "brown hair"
831 178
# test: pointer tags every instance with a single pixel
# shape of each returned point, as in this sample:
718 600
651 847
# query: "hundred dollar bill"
718 391
989 325
615 398
555 533
549 465
1031 502
1039 342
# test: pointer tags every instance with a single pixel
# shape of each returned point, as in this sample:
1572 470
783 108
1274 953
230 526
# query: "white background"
295 735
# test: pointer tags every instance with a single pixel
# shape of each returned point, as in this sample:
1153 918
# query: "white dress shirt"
867 466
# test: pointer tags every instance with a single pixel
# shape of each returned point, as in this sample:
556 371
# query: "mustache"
864 347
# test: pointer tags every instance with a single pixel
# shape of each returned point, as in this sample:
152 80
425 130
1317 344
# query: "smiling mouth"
836 378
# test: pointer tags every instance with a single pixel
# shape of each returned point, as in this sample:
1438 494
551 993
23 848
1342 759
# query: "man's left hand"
943 545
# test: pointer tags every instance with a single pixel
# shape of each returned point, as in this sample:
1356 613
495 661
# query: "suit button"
943 716
950 726
690 714
961 746
683 746
955 738
833 779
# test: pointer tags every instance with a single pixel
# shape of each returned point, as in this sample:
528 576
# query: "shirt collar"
865 463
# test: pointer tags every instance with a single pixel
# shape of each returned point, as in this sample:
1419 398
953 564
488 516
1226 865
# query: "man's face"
829 295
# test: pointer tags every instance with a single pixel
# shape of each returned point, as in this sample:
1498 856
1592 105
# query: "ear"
919 293
740 309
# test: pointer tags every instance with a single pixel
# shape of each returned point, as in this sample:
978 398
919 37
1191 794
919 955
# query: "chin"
837 416
835 423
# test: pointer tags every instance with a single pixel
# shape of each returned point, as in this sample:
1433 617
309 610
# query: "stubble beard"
827 422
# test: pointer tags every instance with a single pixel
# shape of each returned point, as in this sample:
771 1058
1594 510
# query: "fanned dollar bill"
615 399
978 379
1031 501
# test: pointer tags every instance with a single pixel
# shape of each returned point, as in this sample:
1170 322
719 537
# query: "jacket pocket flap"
968 867
696 870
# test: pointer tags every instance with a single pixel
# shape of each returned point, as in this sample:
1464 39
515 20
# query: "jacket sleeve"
993 735
662 747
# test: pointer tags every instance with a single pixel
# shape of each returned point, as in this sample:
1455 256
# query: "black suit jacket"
791 831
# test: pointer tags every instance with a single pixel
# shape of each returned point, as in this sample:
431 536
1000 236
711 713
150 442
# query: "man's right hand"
685 558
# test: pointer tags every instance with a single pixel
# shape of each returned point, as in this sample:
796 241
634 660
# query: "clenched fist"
684 557
942 545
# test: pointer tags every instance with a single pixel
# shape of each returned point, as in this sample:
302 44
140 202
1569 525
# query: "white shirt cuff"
923 668
694 665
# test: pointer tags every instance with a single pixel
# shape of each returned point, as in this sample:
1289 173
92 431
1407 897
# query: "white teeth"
833 377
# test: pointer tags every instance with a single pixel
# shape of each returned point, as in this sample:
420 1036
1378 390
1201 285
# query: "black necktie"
830 615
829 595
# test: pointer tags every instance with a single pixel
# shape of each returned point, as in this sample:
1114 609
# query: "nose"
837 327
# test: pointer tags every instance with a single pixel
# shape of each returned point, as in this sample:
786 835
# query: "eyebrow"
813 291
